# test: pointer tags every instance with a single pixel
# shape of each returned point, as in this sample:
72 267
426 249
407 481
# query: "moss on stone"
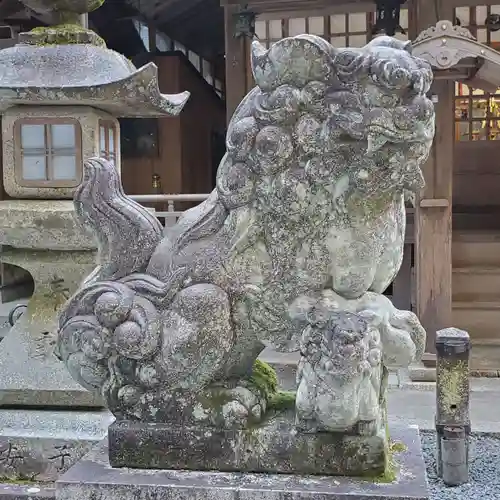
19 480
282 400
264 379
453 386
65 34
391 466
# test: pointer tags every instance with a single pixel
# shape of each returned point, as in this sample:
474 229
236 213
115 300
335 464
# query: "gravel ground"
484 470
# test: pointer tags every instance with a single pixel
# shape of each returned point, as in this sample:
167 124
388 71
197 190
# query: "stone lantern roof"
68 64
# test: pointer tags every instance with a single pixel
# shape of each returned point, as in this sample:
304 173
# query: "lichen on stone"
62 34
452 389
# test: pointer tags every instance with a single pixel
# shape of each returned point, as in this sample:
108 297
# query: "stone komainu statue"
292 250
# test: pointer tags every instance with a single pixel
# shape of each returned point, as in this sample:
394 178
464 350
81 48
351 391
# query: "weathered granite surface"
40 445
275 446
10 491
292 250
30 373
42 225
83 75
94 478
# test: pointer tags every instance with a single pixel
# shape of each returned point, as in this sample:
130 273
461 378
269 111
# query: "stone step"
12 491
474 248
473 283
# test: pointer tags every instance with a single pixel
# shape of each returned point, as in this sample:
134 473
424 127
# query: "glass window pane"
297 26
317 25
195 60
357 40
478 131
479 108
463 13
357 22
481 14
275 30
403 19
63 168
337 24
482 35
494 130
102 138
63 135
111 131
32 136
34 168
463 131
206 68
179 47
462 109
338 42
260 29
463 89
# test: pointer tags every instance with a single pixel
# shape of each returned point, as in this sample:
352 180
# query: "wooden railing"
170 216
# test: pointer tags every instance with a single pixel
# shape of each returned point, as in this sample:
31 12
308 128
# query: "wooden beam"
434 209
236 63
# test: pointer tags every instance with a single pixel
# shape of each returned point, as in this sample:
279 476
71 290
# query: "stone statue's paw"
403 340
234 408
104 321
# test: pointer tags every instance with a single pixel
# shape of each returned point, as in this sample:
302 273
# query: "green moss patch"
264 379
281 401
391 465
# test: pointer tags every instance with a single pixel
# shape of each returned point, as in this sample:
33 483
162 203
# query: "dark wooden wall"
203 116
184 160
476 174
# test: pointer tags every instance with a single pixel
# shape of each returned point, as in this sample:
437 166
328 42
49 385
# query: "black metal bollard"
452 405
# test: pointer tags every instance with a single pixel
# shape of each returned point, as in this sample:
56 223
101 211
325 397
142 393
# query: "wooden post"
433 231
236 64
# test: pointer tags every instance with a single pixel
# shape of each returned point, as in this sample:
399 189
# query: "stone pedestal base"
40 445
93 477
275 446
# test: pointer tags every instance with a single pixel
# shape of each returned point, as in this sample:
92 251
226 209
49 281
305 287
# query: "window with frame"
341 30
477 113
107 140
48 152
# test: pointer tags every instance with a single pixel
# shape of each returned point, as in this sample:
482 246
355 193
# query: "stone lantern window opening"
48 152
107 140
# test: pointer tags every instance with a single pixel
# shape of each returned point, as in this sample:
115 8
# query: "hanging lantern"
244 24
387 17
492 22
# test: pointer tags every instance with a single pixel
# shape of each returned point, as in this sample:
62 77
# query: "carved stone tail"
126 233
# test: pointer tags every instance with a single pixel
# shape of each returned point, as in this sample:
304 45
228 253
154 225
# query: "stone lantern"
61 92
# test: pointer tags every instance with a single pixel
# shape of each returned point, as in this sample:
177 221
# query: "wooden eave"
303 6
455 54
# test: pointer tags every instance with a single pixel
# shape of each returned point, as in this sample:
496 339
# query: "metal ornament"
244 24
387 20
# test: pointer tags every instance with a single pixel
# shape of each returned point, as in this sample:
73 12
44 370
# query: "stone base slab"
275 446
38 445
93 478
26 491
